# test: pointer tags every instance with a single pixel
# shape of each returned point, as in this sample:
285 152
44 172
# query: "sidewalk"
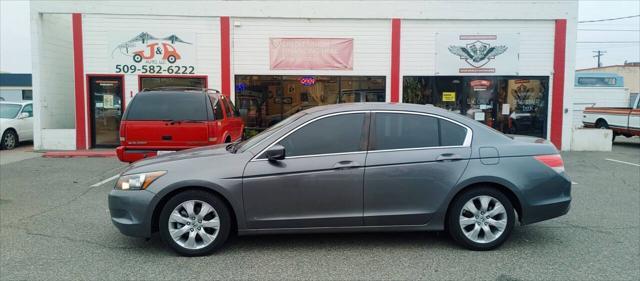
22 152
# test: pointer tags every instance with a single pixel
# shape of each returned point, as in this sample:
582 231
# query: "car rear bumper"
547 211
549 207
133 154
130 211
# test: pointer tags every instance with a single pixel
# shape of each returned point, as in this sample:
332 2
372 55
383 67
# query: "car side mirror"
275 153
23 115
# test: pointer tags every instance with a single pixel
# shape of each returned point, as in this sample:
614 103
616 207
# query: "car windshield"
9 110
247 144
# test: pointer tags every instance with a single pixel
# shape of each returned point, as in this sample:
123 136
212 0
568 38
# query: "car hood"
218 150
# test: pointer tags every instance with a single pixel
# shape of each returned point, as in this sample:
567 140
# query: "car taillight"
553 161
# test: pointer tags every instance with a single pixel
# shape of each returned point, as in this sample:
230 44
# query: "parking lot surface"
54 224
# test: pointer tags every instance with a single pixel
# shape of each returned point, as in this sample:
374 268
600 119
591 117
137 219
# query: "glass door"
105 94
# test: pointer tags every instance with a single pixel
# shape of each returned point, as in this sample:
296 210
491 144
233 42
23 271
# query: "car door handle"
346 165
448 157
167 137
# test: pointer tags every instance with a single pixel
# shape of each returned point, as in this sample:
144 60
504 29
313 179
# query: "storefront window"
516 105
264 100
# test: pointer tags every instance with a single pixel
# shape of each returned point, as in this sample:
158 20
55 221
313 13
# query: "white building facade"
508 64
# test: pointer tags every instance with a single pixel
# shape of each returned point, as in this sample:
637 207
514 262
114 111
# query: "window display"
515 105
264 100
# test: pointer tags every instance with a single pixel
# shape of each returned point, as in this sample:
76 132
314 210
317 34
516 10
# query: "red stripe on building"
395 60
225 56
557 100
78 75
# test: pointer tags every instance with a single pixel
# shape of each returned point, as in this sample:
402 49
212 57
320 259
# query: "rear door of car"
167 121
413 161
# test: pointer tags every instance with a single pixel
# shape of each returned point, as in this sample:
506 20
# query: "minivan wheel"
481 219
194 223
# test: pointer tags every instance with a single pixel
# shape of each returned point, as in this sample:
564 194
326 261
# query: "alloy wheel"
194 224
9 140
483 219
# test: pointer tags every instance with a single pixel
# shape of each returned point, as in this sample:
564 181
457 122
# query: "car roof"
181 90
373 106
16 102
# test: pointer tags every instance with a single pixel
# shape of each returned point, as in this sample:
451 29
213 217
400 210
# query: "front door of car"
319 183
25 130
413 162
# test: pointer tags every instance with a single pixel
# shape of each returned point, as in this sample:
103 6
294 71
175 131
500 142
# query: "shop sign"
150 54
311 53
307 80
449 96
468 54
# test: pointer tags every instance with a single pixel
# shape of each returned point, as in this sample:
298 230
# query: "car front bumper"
130 211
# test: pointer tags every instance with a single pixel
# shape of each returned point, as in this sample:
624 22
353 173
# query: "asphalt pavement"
54 224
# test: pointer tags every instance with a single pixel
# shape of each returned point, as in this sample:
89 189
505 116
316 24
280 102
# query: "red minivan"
166 120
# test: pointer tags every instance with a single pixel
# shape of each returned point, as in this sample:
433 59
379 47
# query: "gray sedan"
347 167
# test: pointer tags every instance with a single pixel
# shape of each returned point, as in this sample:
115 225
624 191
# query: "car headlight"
138 181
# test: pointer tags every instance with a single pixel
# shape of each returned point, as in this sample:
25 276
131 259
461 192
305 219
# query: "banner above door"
311 53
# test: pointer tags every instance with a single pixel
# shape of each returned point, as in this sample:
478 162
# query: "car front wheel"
195 223
9 139
481 219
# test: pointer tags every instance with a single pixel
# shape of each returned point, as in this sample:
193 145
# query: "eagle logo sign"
478 53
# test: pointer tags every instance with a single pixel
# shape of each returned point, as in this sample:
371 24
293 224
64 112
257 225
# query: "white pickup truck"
621 120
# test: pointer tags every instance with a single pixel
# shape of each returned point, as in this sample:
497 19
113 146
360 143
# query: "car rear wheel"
9 139
481 219
195 223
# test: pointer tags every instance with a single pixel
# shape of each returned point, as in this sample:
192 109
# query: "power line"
610 19
608 42
596 29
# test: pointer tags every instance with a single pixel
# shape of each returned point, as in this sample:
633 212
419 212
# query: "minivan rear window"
167 106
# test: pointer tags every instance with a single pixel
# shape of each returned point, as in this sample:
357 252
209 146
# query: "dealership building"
508 64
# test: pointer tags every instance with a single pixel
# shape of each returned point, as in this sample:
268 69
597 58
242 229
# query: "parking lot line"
105 181
623 162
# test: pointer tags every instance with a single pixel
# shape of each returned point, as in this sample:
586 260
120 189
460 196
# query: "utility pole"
599 54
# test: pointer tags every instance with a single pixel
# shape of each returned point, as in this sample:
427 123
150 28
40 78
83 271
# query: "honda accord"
347 167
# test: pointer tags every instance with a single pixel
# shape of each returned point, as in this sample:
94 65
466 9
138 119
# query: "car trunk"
166 133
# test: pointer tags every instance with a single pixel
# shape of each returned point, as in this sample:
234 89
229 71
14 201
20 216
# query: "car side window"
28 109
335 134
401 130
227 107
451 134
219 115
236 112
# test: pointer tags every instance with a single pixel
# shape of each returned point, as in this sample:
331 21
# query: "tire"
199 247
602 124
9 140
137 58
227 140
505 219
171 59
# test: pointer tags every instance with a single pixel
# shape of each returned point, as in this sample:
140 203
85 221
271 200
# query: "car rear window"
167 106
451 134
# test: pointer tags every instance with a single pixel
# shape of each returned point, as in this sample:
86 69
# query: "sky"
15 48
